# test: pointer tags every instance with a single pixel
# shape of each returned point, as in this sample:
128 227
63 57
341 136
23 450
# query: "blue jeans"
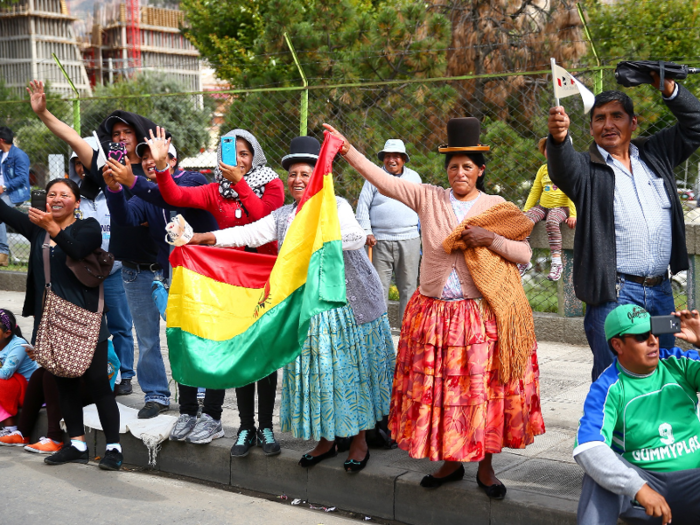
657 300
4 247
119 322
150 370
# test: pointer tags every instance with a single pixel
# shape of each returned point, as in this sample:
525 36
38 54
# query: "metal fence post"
598 75
76 100
304 112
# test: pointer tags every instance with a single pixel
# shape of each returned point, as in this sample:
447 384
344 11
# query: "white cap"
172 151
393 146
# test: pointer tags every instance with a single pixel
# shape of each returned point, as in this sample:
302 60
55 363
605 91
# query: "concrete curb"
13 281
378 491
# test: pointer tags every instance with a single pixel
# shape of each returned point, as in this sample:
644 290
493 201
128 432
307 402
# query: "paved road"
34 493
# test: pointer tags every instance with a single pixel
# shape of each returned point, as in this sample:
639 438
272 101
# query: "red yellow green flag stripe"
235 317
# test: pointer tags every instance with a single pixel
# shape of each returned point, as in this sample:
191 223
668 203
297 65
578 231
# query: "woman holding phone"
76 238
242 194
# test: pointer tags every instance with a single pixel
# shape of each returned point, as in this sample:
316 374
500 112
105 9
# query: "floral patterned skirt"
448 402
341 382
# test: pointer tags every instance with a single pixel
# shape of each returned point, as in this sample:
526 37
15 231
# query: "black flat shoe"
352 465
307 460
431 482
492 491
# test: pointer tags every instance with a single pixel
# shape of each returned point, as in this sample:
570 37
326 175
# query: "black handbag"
630 74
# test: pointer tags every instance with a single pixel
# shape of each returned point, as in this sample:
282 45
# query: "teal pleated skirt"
341 383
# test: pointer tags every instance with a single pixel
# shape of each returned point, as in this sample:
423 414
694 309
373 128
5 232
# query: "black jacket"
590 183
78 240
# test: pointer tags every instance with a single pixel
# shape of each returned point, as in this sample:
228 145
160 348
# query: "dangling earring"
78 214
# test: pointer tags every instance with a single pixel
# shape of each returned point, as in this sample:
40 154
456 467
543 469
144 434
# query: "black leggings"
245 398
97 382
213 399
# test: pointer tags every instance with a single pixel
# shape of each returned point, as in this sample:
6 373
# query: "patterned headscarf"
258 176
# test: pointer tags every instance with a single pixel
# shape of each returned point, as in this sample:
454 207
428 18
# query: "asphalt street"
35 493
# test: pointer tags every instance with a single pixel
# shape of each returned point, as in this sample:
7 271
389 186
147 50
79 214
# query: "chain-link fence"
368 114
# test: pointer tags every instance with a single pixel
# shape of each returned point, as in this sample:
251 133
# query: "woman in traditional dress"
340 385
467 379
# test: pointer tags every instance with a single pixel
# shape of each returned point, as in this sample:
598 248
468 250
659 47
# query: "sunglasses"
640 338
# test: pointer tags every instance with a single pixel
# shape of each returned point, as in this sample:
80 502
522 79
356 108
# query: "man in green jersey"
639 438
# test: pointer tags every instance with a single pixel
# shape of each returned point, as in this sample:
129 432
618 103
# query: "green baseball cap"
627 319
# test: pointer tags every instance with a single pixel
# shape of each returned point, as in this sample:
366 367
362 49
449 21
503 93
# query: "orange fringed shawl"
499 282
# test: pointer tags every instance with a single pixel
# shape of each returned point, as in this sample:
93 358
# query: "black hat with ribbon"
463 135
302 149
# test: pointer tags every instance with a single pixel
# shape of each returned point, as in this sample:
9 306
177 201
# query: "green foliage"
649 30
30 134
224 31
188 118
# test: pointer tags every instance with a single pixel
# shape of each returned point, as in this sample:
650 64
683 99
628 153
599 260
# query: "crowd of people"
464 382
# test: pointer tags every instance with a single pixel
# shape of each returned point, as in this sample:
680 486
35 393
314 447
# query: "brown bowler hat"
463 135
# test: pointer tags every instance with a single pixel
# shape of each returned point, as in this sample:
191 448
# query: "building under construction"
30 31
126 38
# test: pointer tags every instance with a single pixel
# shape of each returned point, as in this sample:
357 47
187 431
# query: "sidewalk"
543 480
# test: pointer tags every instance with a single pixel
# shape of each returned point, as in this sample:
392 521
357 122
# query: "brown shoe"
4 259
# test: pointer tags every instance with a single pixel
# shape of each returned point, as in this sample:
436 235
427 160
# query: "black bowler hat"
302 149
463 135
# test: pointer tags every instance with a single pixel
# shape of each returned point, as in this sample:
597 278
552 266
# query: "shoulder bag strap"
46 249
101 300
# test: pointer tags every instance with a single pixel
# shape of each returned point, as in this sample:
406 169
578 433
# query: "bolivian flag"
235 317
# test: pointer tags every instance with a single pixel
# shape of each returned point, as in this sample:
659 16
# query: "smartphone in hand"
665 324
117 151
228 150
38 200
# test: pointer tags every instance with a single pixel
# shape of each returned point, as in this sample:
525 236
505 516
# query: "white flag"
566 85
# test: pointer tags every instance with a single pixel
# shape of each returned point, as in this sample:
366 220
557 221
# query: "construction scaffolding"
126 38
30 32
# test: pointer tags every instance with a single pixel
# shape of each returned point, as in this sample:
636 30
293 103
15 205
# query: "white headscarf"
258 176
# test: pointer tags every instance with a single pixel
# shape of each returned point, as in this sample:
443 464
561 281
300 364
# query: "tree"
30 133
187 117
647 30
348 41
508 35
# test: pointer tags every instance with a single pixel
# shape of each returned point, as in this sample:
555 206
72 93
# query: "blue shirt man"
14 182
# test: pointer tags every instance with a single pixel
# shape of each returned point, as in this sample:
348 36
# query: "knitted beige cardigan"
499 282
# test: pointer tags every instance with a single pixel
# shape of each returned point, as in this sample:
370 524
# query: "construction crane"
134 30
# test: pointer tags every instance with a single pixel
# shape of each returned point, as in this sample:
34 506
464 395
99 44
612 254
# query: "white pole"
553 62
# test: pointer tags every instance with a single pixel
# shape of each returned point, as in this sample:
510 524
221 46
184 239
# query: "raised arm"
62 130
402 190
566 168
179 196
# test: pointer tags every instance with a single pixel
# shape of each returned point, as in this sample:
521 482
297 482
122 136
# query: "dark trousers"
97 383
41 389
681 489
213 399
245 398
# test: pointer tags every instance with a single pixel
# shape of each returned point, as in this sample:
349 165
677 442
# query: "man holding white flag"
630 221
